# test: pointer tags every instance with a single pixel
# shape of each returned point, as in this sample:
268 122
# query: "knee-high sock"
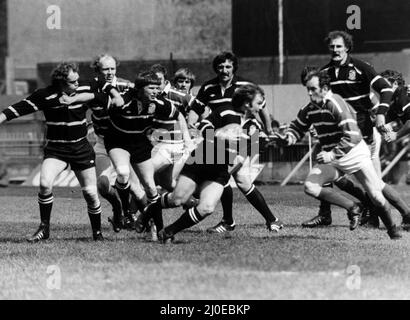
226 201
333 197
256 199
188 219
136 204
384 213
166 202
123 190
95 218
395 200
45 203
112 197
325 206
354 189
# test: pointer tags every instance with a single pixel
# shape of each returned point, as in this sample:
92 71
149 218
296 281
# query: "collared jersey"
211 94
99 107
353 82
65 123
132 121
334 121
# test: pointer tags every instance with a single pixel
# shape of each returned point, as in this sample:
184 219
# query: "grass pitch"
248 263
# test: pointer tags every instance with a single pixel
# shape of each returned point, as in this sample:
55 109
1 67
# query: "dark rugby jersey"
211 94
210 150
99 107
65 123
353 83
171 127
400 106
335 124
132 121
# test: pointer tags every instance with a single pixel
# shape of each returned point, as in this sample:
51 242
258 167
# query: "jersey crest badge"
352 75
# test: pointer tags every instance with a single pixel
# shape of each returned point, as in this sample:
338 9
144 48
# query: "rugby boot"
42 233
165 237
275 225
394 233
354 215
319 220
221 227
97 236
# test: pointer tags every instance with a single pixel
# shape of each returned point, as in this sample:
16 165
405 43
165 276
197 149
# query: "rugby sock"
155 211
133 208
395 200
123 190
333 197
112 197
95 218
188 219
140 203
325 206
384 213
226 201
45 203
347 185
256 199
166 201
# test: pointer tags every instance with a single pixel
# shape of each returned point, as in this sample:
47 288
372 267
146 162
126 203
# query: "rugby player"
353 79
204 171
343 150
67 144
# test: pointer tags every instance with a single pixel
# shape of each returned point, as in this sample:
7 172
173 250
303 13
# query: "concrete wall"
129 29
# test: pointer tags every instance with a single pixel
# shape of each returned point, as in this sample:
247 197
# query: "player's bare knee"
91 196
123 174
46 186
178 199
312 189
205 208
244 186
45 189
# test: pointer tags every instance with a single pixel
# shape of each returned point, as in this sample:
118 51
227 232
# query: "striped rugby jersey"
65 123
334 121
132 121
353 83
183 101
400 106
211 94
99 115
209 151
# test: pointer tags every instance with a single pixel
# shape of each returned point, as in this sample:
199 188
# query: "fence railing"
21 144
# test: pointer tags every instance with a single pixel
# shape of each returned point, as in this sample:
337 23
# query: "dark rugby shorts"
200 173
139 151
79 155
